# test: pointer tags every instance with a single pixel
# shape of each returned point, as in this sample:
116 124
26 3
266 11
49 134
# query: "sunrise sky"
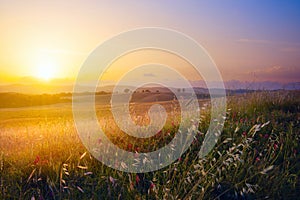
248 40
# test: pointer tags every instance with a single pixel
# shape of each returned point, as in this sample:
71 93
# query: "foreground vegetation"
257 156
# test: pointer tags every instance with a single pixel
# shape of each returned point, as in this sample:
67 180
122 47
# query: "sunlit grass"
257 155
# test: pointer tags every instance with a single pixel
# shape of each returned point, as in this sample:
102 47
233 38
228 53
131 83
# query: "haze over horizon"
250 41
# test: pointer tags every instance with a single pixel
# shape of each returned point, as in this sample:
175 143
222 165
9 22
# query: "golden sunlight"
46 68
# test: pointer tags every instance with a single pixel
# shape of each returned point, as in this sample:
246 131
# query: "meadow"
256 157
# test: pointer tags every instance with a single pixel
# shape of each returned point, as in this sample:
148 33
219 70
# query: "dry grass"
256 157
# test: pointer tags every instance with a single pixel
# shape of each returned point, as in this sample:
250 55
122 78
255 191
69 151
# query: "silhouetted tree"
126 90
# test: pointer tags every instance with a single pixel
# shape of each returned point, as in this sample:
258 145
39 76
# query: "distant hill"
103 96
238 86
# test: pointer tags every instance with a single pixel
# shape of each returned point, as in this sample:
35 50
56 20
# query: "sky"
248 40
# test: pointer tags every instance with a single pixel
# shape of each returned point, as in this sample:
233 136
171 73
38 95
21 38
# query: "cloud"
258 41
272 69
244 40
276 73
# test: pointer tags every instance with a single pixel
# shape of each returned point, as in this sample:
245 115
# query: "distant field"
257 156
16 100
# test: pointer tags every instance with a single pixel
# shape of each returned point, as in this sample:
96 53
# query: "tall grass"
256 157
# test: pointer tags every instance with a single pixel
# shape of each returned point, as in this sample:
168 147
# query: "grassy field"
256 157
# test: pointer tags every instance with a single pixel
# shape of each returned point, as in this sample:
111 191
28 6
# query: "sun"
45 72
46 69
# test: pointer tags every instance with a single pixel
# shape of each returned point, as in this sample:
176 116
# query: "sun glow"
46 68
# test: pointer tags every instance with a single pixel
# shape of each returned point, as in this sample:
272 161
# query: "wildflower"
257 159
275 146
112 180
152 186
129 146
137 179
244 134
136 155
233 115
37 160
137 149
158 134
131 186
266 136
